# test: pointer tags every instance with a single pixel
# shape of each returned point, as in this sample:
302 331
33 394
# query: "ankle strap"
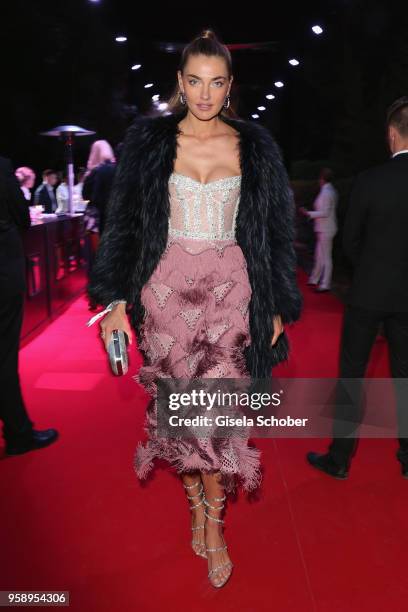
213 507
198 494
218 498
217 520
195 484
200 503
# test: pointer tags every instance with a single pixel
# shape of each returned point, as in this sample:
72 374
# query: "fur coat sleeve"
266 232
281 235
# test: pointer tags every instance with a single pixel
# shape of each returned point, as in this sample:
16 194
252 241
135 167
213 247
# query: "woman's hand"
115 319
277 329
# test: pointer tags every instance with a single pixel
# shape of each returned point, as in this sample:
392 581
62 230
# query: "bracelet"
108 308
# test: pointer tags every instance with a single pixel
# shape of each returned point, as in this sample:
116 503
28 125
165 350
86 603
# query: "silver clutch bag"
117 350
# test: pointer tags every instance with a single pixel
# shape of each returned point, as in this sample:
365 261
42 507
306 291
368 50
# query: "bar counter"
55 251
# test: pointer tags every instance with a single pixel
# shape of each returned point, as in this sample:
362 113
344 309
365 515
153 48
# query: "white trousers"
323 263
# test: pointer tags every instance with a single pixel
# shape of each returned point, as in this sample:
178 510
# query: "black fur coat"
137 223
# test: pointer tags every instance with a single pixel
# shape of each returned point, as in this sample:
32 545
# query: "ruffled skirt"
196 326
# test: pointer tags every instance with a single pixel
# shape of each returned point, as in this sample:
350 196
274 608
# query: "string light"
317 29
136 66
121 39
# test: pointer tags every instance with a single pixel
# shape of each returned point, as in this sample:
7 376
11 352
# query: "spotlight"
121 39
162 106
136 66
270 96
255 116
156 97
317 29
261 108
278 84
294 62
148 85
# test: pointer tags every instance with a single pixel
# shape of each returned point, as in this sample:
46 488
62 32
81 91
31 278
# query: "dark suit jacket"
97 188
42 198
375 237
14 215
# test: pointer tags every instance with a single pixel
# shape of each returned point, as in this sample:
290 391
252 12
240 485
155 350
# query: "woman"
199 244
62 195
96 187
26 178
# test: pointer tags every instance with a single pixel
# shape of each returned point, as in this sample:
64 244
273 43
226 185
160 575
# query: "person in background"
26 178
375 241
45 194
62 195
98 184
96 189
325 226
18 431
79 203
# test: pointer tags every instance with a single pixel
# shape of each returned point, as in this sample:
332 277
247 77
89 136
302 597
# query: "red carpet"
74 516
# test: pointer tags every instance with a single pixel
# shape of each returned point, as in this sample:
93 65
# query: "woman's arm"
325 203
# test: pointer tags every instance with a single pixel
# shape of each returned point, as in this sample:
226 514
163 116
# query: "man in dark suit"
45 194
376 241
18 431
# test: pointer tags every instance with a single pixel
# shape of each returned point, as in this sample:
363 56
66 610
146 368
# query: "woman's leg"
193 486
219 563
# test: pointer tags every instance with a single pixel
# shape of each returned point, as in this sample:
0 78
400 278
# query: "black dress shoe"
38 439
326 464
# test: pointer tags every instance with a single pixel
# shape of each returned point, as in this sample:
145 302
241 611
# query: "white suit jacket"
324 213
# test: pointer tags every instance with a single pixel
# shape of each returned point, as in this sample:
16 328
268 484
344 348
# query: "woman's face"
205 84
29 181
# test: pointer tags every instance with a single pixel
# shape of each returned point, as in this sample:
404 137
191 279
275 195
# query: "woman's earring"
182 98
227 101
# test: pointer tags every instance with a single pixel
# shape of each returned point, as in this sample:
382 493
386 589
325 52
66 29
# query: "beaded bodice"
203 211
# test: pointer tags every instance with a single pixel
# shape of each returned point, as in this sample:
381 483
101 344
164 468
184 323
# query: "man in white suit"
325 227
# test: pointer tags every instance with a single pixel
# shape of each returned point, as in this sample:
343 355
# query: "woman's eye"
220 83
192 81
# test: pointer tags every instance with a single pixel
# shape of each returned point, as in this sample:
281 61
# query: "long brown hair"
206 43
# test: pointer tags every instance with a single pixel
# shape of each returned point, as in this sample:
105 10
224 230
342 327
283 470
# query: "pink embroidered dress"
197 323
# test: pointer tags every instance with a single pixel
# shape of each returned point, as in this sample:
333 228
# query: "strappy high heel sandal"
197 543
214 573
